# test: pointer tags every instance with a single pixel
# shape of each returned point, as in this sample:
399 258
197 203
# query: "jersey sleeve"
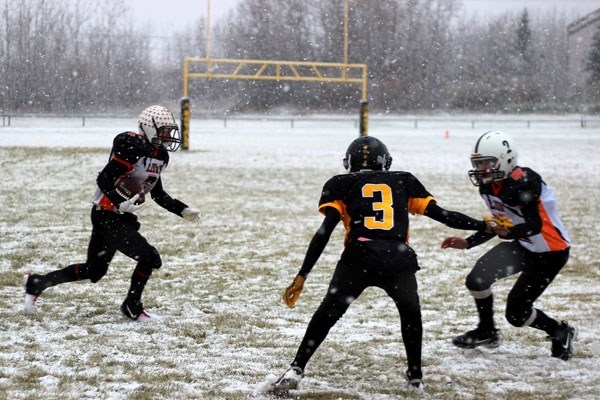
163 199
331 197
106 180
129 147
526 187
525 192
338 205
418 196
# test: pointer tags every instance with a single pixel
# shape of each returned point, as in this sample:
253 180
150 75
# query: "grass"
224 328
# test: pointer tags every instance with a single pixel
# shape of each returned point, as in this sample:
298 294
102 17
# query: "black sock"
138 283
67 274
544 323
485 308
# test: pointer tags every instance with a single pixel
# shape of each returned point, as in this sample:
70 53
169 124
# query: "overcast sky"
188 11
181 10
576 8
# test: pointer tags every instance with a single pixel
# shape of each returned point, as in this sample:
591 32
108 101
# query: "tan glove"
499 225
293 291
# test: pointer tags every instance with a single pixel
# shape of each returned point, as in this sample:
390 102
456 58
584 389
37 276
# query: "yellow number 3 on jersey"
385 205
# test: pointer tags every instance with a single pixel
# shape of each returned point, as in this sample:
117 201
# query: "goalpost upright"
212 68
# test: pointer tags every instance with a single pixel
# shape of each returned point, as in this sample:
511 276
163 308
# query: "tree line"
68 56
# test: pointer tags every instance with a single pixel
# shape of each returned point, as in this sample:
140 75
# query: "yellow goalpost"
302 71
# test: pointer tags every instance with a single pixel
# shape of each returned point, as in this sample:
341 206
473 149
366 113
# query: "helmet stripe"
476 149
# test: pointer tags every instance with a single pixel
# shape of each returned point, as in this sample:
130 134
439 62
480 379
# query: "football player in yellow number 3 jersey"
373 203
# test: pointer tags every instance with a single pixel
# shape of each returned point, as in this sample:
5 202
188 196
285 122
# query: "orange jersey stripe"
549 232
418 205
125 163
341 207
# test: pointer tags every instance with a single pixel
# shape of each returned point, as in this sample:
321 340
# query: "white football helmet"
494 157
159 126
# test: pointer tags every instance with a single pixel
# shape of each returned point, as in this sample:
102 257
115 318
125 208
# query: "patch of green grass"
224 327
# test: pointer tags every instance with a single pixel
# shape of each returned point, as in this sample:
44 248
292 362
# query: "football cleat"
414 383
562 341
478 337
134 309
286 382
146 315
32 292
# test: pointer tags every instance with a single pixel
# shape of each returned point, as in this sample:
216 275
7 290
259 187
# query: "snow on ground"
224 331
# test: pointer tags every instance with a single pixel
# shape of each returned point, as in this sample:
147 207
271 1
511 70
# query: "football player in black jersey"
140 157
536 245
373 203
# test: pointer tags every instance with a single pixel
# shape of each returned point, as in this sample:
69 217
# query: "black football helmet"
367 152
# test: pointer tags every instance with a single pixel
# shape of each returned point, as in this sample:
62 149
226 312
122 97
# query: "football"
128 187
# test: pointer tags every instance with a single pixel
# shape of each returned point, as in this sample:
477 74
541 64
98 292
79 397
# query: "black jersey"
375 204
134 156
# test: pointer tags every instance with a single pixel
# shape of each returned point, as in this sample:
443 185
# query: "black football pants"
537 270
353 274
111 232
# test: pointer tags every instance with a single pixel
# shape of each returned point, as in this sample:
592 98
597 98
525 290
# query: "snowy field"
224 330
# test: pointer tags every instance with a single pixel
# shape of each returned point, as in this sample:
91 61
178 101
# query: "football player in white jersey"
536 245
140 158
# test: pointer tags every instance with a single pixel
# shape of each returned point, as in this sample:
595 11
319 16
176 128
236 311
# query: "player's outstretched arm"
453 219
314 251
163 199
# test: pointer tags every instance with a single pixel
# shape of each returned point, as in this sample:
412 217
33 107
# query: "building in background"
579 36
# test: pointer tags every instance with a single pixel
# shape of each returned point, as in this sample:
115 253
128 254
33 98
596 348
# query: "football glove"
191 214
129 206
290 297
499 225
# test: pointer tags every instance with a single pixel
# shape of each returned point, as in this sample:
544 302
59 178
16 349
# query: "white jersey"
524 191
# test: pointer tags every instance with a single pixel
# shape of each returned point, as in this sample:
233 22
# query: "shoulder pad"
131 146
525 180
517 174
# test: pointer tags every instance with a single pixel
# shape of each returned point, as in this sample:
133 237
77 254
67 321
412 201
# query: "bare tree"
85 55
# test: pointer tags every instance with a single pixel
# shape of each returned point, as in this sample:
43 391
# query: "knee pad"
515 319
94 272
475 283
150 260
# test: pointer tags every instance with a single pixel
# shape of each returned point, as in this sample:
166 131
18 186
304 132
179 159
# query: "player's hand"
505 221
191 214
290 297
500 225
129 206
454 242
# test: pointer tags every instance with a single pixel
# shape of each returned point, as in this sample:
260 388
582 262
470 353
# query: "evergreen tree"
523 37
